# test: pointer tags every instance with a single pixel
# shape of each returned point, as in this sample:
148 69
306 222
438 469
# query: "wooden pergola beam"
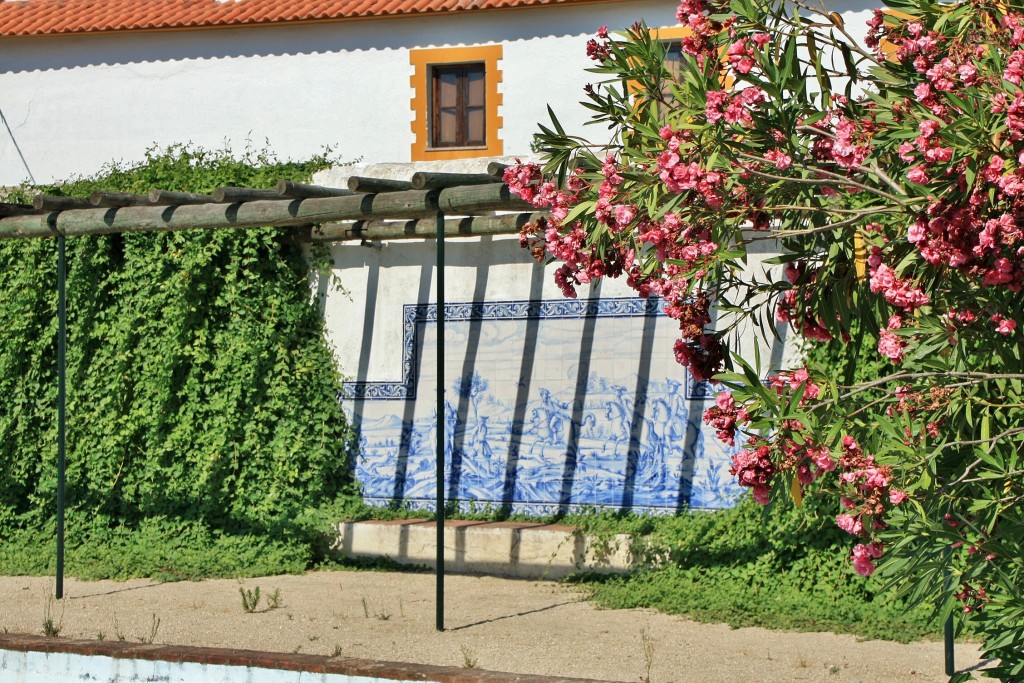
421 228
459 201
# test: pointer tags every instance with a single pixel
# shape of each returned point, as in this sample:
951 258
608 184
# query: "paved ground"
499 624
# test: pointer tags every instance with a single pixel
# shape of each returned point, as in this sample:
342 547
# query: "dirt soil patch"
529 627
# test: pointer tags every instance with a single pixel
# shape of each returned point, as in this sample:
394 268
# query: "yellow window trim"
671 33
675 33
421 61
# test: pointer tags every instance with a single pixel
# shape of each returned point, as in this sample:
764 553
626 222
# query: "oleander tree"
888 173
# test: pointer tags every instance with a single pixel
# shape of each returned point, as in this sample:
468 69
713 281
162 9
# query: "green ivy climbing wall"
201 390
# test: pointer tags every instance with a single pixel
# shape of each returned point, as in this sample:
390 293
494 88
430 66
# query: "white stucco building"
85 82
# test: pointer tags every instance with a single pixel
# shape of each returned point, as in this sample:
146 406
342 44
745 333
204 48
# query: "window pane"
475 86
475 126
674 59
447 125
447 84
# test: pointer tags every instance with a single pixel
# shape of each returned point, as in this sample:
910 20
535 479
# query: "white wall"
72 103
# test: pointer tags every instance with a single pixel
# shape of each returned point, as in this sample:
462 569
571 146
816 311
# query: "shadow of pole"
409 408
579 399
467 382
639 408
508 486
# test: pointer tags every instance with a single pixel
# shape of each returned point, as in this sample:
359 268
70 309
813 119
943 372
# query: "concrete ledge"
514 549
358 670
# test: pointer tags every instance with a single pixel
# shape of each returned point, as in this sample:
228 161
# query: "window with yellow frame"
455 102
671 38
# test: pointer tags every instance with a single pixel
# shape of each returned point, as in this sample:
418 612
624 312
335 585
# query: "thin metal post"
441 417
62 332
950 664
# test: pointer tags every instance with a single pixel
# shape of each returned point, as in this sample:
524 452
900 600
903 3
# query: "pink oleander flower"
624 215
740 56
753 468
892 346
906 152
781 160
918 175
1015 67
862 556
1004 325
850 524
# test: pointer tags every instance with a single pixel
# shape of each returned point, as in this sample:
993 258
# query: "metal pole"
950 665
62 331
441 417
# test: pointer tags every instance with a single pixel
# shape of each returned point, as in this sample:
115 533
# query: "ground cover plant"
890 174
783 570
204 431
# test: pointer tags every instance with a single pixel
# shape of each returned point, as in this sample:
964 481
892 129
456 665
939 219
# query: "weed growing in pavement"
337 651
154 627
649 645
117 631
52 628
366 608
274 599
100 635
250 598
469 658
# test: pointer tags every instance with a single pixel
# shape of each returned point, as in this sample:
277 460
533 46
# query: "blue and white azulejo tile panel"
548 406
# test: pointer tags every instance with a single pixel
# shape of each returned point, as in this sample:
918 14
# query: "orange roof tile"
48 17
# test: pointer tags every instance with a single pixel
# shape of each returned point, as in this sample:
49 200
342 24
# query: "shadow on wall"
47 53
549 405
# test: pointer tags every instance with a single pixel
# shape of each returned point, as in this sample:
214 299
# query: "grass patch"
778 567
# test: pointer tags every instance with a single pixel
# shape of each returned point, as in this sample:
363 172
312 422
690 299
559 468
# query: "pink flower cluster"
733 107
726 417
867 491
740 54
702 355
753 468
784 382
849 146
685 251
899 292
958 236
863 554
581 262
869 495
974 222
680 176
599 49
696 15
